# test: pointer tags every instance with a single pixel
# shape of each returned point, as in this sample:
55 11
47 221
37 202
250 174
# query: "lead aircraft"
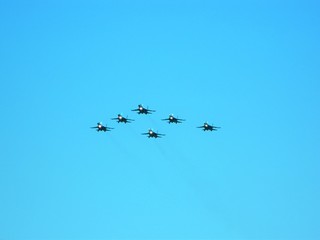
152 134
143 110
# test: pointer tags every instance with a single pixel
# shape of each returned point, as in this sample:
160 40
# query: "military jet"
122 119
207 127
143 110
172 119
100 127
152 134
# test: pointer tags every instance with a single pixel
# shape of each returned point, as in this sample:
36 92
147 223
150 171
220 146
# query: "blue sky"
251 67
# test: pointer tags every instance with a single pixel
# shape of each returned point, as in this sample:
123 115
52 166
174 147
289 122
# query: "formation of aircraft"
143 110
100 127
172 119
151 134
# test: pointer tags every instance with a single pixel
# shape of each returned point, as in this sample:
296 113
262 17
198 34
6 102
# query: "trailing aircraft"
121 119
207 127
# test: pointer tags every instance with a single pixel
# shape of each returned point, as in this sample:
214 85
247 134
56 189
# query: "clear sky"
250 67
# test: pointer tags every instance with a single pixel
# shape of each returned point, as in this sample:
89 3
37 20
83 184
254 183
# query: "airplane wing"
95 127
165 119
135 110
179 120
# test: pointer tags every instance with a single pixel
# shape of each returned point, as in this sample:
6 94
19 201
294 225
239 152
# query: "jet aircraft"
152 134
207 127
172 119
122 119
143 110
100 127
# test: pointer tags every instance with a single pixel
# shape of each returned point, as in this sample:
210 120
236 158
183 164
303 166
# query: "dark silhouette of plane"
207 127
172 119
143 110
100 127
122 119
152 134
